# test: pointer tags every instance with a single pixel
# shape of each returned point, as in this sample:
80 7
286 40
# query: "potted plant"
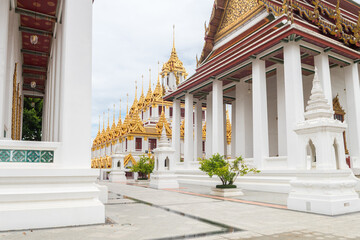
144 167
227 172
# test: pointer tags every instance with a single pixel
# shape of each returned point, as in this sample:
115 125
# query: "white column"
323 67
294 103
57 86
225 132
198 131
208 143
176 121
75 99
260 116
243 121
353 111
281 117
233 130
4 29
188 134
218 118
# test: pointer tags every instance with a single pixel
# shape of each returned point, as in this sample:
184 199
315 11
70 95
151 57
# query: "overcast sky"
129 37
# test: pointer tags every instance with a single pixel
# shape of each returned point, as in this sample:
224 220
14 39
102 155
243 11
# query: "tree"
145 166
225 170
32 119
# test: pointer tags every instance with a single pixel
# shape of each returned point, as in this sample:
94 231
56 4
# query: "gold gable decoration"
129 158
162 121
236 11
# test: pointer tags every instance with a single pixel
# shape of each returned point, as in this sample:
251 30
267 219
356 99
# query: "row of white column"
250 113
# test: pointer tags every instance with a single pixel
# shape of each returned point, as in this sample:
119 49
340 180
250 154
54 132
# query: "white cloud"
131 36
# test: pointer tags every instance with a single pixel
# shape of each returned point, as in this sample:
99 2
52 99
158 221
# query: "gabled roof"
228 15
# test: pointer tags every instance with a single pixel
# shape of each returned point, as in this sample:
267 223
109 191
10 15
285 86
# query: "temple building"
139 132
260 57
45 53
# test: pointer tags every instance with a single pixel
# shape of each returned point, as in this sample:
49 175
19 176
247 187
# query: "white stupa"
326 185
163 177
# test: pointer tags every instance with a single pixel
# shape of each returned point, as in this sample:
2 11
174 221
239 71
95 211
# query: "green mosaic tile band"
28 156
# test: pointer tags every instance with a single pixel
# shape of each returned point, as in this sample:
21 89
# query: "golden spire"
108 125
148 98
135 89
174 37
103 122
150 78
174 64
114 116
142 84
99 124
120 111
127 104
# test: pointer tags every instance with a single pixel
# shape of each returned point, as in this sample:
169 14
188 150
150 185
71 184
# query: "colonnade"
250 124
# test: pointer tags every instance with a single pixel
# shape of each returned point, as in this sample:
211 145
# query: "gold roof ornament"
148 98
134 107
125 125
163 122
158 93
119 124
95 142
113 130
204 130
174 64
142 97
228 128
129 158
103 132
108 133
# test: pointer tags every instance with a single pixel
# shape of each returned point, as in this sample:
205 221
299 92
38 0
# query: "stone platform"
139 212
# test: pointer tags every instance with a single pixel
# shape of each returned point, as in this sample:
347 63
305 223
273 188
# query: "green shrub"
225 170
145 165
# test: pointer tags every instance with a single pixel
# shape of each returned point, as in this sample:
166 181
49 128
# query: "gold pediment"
236 12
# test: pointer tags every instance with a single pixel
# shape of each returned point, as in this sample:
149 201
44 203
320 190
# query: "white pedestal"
163 179
43 198
226 192
117 176
329 192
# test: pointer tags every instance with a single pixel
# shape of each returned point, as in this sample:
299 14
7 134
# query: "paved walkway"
138 212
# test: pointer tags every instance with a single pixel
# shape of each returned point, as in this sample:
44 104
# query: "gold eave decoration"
341 28
236 12
129 158
161 123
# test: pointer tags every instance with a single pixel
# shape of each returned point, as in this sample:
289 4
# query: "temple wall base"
329 192
43 198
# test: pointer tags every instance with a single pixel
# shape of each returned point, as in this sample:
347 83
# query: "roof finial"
108 118
142 84
150 78
136 89
174 36
114 115
127 104
158 71
99 123
120 110
103 121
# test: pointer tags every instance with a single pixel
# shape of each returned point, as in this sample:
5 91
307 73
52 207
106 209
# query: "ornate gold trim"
254 9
